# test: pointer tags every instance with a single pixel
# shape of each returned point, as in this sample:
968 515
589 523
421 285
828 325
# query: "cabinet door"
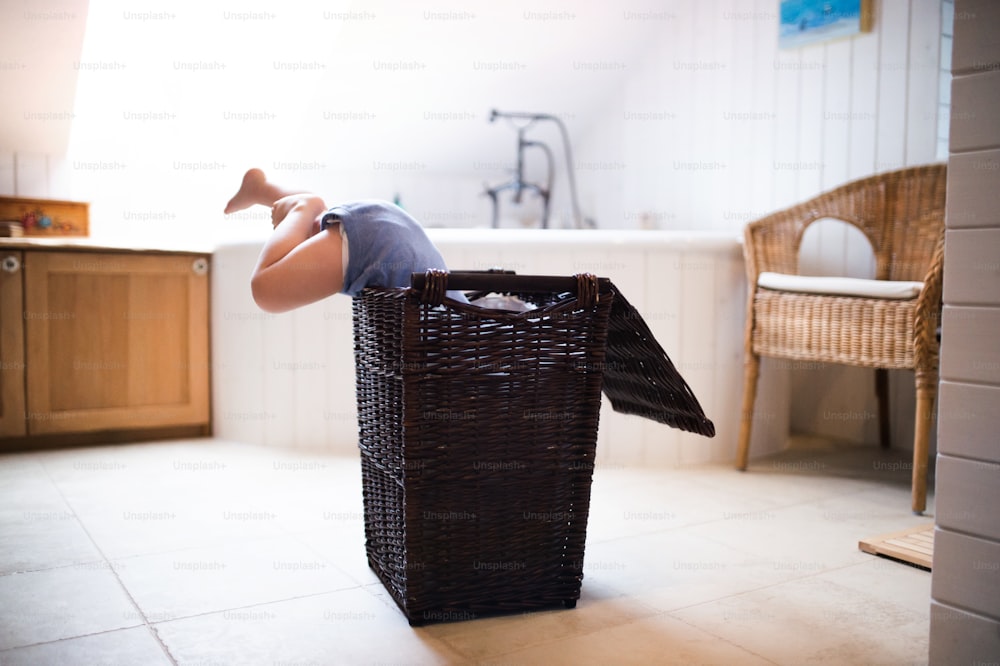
115 341
11 346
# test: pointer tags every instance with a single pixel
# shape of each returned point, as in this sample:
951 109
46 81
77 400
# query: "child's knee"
309 205
307 202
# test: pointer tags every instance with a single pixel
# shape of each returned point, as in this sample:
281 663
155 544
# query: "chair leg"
882 394
750 373
921 445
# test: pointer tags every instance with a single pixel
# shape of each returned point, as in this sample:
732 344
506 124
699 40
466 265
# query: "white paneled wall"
719 127
288 380
32 175
692 117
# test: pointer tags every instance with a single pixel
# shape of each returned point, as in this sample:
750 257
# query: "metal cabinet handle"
200 266
10 264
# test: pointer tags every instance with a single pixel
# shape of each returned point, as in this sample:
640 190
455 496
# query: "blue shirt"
385 245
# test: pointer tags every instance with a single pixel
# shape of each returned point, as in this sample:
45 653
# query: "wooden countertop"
75 244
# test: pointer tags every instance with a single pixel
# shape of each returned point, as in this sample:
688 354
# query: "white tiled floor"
208 552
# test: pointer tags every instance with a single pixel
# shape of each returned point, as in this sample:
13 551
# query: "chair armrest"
771 243
927 320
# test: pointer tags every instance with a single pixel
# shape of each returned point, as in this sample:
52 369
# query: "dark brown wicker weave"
640 379
902 215
478 431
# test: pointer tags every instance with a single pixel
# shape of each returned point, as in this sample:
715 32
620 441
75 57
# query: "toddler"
317 251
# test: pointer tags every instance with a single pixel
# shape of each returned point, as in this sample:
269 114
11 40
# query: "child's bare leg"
257 189
298 264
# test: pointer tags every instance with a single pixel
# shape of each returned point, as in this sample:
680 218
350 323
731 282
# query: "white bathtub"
288 380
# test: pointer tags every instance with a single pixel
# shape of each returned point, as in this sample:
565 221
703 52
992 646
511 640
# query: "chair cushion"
840 286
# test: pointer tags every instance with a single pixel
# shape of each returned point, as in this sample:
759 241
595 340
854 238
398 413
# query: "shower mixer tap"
518 184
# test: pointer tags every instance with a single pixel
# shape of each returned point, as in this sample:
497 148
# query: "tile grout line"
151 625
711 521
296 537
112 569
248 606
721 638
66 639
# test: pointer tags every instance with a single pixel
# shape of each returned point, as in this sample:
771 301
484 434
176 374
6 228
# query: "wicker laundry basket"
478 430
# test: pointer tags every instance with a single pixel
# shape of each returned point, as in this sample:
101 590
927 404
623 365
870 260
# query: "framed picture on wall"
805 22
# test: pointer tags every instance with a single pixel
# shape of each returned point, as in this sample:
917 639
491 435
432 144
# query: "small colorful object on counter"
45 217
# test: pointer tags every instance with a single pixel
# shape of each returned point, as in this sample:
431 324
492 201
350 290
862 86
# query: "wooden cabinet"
110 341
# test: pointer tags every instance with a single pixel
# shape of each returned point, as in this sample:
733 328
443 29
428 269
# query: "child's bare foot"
253 190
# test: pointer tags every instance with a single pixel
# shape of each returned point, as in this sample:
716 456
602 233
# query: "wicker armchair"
902 215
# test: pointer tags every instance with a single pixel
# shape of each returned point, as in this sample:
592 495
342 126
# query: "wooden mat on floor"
914 546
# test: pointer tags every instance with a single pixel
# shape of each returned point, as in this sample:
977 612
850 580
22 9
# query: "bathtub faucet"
518 184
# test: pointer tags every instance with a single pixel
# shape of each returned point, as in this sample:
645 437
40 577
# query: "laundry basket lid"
639 377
